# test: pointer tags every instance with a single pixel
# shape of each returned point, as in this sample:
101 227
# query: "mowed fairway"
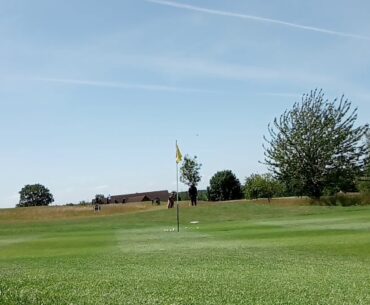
238 253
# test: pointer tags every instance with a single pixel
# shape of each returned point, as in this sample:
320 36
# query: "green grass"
238 253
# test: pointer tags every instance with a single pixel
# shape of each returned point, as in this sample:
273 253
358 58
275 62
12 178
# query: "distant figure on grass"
171 201
193 194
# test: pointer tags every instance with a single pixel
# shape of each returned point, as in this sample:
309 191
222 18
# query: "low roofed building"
156 196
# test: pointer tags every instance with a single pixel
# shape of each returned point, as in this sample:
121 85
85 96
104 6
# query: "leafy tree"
224 186
34 195
99 199
202 195
190 171
364 180
315 145
367 160
263 186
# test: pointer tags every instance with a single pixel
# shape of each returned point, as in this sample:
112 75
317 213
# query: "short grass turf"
237 253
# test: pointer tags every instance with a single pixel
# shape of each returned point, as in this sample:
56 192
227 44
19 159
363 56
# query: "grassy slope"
239 253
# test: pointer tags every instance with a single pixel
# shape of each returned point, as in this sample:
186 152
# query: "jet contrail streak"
258 19
118 85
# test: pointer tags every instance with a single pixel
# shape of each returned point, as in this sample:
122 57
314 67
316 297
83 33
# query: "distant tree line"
202 195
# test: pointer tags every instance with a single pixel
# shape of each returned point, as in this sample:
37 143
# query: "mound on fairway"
232 253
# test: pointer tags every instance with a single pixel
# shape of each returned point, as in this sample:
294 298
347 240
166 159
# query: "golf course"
243 252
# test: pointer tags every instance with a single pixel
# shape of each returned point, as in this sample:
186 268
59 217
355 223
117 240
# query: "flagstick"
177 194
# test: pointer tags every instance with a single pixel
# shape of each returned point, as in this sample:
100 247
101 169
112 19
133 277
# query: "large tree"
190 171
34 195
316 145
224 186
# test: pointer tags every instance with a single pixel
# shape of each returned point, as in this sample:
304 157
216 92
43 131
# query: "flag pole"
177 193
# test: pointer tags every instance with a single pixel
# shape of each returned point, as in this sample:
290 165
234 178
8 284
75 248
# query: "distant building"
154 197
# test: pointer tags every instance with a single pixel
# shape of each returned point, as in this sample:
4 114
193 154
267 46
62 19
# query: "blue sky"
94 94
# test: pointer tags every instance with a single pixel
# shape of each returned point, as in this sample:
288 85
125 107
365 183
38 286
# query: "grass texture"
229 253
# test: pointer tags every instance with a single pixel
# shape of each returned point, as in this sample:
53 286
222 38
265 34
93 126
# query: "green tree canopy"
263 186
316 145
367 160
190 171
99 199
224 186
34 195
364 180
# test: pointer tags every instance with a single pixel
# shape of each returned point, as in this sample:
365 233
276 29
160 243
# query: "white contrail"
257 18
118 85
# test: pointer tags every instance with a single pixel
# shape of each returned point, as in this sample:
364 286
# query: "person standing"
193 194
171 201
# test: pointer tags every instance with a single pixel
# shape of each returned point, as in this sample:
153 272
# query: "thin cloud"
258 19
191 67
118 85
197 67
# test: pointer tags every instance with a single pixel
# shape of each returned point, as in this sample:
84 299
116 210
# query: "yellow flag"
178 155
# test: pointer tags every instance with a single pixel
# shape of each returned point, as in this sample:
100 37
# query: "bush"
263 186
202 196
344 200
224 186
363 185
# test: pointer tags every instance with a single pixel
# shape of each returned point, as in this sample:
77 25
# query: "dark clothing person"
171 202
193 194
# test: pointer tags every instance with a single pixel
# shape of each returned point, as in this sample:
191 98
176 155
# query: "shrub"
224 186
344 200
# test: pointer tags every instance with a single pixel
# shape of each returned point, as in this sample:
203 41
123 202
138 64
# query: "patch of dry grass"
284 201
30 214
